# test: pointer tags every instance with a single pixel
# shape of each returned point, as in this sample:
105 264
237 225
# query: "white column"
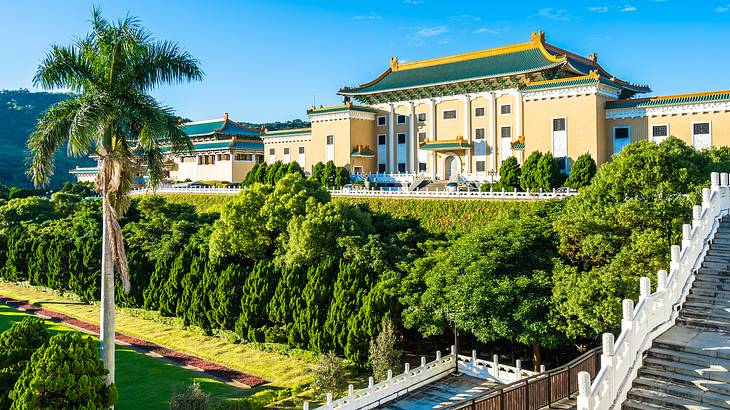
391 139
518 113
493 128
432 136
467 131
412 141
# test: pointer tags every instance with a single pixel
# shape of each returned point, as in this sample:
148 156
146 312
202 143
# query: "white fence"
394 387
374 193
456 195
655 312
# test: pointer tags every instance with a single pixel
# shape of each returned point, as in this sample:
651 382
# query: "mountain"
19 111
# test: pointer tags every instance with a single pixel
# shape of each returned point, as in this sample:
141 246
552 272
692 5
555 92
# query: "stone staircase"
688 367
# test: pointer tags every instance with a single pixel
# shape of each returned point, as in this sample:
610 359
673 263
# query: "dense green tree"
17 344
66 373
295 168
483 284
328 174
329 373
317 172
529 177
342 177
583 171
509 174
346 299
547 176
226 302
257 291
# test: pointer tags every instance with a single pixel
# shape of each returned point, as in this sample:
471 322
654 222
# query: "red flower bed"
143 345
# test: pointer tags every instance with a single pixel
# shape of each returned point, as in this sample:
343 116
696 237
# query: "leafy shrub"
329 374
17 345
192 398
584 169
65 373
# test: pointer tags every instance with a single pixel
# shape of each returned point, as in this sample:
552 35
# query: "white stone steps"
695 382
707 324
689 355
710 292
710 371
666 401
701 284
709 300
712 277
707 308
694 394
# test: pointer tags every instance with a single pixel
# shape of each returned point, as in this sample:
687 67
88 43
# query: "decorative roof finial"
538 37
394 63
225 116
593 57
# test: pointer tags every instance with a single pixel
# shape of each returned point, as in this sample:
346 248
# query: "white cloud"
413 2
485 30
419 37
465 17
444 41
598 9
555 14
628 9
722 9
431 31
371 16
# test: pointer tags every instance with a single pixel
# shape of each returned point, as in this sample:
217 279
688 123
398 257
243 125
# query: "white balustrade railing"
655 312
185 190
493 370
454 194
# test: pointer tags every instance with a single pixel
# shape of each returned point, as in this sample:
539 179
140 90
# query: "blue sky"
269 60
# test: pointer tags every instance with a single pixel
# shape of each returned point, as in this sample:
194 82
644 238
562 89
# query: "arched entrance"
452 166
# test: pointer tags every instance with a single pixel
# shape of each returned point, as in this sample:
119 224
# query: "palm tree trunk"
107 298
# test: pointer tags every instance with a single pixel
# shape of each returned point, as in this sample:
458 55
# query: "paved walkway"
442 394
147 347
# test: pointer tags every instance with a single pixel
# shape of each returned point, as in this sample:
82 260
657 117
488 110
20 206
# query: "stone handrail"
655 312
412 379
447 194
185 190
493 370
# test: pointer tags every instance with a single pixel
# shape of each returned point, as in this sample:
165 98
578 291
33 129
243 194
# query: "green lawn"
145 382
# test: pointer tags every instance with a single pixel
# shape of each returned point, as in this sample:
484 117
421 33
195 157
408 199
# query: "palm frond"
163 62
64 67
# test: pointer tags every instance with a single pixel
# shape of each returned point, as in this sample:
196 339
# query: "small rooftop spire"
225 116
593 57
394 63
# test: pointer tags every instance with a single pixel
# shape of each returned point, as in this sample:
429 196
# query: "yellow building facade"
461 116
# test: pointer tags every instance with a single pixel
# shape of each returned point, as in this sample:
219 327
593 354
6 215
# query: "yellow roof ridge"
537 40
593 74
669 97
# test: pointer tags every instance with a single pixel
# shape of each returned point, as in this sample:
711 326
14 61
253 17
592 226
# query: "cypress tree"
327 178
251 173
346 299
509 174
582 173
310 319
547 172
294 168
317 171
256 293
342 177
226 303
157 280
17 345
528 178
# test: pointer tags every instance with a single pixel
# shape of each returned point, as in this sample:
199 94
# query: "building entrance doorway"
452 167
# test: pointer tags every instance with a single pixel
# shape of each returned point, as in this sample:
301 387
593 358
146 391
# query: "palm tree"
111 115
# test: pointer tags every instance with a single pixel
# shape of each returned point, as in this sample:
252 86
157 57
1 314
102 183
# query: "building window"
479 112
286 151
481 166
227 157
218 157
421 137
301 150
401 138
401 167
621 138
330 140
381 168
421 117
505 109
506 132
658 131
381 121
701 135
357 170
558 124
381 139
422 166
449 114
200 160
272 151
479 133
401 119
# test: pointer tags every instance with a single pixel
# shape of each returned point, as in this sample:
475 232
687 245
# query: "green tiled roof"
518 146
225 144
718 96
362 154
518 62
223 126
567 82
435 145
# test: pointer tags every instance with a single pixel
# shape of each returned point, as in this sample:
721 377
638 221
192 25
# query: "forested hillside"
19 110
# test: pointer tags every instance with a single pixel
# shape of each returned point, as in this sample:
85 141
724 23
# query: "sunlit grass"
279 369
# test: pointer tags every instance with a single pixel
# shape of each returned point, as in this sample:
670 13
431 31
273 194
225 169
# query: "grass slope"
281 370
144 382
